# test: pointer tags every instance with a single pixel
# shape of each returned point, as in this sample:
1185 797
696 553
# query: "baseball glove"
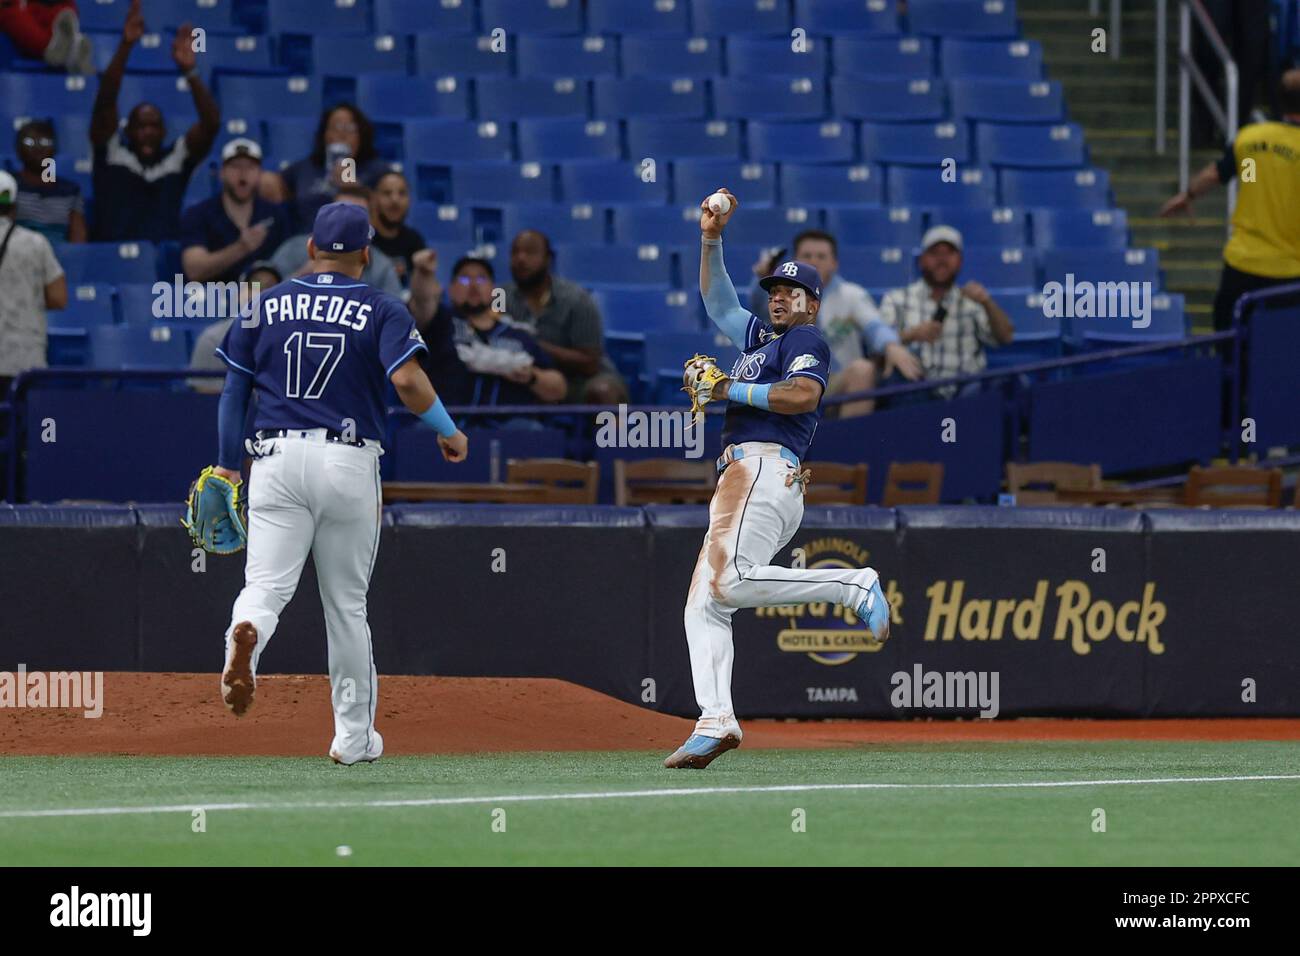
701 377
214 513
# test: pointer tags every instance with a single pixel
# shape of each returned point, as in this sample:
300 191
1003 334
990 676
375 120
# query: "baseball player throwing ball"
773 397
318 349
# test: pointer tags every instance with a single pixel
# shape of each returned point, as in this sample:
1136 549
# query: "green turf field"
1247 822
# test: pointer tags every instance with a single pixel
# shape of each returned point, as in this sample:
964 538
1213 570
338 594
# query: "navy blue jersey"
769 357
321 352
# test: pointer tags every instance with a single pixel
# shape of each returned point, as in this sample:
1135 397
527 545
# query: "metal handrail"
1224 115
1116 24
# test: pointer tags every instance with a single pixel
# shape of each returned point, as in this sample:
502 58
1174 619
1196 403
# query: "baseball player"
774 396
318 349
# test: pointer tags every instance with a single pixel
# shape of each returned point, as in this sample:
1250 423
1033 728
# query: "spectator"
1264 249
291 260
389 204
48 30
31 281
46 204
263 276
850 322
139 179
222 236
343 154
565 320
945 325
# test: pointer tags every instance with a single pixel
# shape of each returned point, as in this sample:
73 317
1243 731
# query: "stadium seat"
994 59
611 183
682 139
650 266
775 56
1107 228
46 94
1061 189
72 130
993 267
753 183
1038 337
238 54
397 97
915 143
664 351
969 18
317 16
847 16
1101 265
103 14
333 55
617 97
637 16
565 140
446 17
456 141
981 227
66 348
876 267
170 93
492 183
771 98
214 16
509 98
773 226
673 225
89 305
671 56
889 100
269 97
441 223
139 346
734 17
497 253
807 142
152 53
289 137
1008 101
452 55
651 311
561 223
925 186
135 303
1030 146
548 56
896 57
1168 323
529 16
110 262
874 226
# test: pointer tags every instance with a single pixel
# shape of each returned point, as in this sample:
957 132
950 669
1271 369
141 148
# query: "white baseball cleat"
711 738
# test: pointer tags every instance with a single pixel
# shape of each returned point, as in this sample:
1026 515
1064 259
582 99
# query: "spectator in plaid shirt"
947 326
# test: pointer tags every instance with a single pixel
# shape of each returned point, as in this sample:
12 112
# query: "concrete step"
1096 91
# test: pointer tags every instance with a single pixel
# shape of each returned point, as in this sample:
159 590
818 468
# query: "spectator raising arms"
139 178
389 203
48 30
47 204
31 281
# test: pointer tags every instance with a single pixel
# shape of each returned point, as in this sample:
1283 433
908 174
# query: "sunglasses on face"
473 280
30 141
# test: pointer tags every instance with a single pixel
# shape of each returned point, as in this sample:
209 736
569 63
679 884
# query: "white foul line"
628 794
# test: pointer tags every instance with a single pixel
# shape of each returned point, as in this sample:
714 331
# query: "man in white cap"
947 326
31 281
224 235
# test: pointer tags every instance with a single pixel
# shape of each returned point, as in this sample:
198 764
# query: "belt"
330 435
735 452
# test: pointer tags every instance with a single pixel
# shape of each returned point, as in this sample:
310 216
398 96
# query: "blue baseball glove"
214 513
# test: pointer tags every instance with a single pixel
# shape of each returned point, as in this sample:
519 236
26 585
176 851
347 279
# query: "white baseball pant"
310 495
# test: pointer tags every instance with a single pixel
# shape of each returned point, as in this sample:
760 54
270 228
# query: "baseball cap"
936 234
794 272
243 146
8 189
342 227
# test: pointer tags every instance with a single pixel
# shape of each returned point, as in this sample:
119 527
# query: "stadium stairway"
1114 101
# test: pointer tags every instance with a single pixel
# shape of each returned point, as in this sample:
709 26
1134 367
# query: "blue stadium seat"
847 16
733 17
565 140
969 18
135 302
911 57
102 14
1168 323
1062 189
578 223
671 56
139 346
444 54
773 226
877 267
899 227
1107 228
674 225
682 139
46 94
1008 101
317 16
994 59
171 94
334 55
665 352
981 227
72 130
601 266
1033 146
611 183
89 305
446 17
456 141
890 100
448 252
397 97
241 54
214 16
770 98
1101 265
151 54
924 186
203 185
618 97
566 56
529 16
493 183
914 142
753 183
1038 336
509 97
269 97
775 56
637 16
1011 267
808 142
441 223
289 137
110 262
649 310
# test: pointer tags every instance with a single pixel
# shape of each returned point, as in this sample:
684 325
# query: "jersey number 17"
331 343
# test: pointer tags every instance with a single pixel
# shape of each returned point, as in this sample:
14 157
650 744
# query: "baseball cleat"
699 751
237 681
875 612
334 755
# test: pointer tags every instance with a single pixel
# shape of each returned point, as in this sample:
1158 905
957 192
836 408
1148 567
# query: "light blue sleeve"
721 302
878 334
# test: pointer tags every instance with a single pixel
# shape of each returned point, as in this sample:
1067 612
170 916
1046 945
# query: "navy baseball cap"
793 272
342 227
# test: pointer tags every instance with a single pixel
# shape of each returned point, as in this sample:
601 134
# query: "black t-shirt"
206 224
400 248
135 201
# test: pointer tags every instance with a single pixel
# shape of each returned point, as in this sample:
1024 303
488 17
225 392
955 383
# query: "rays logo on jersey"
748 366
802 362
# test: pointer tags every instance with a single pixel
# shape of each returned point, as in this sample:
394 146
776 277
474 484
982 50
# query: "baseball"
719 204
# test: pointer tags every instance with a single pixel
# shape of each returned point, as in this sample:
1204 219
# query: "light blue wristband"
755 395
437 416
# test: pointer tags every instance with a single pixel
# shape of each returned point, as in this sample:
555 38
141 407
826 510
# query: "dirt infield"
181 714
